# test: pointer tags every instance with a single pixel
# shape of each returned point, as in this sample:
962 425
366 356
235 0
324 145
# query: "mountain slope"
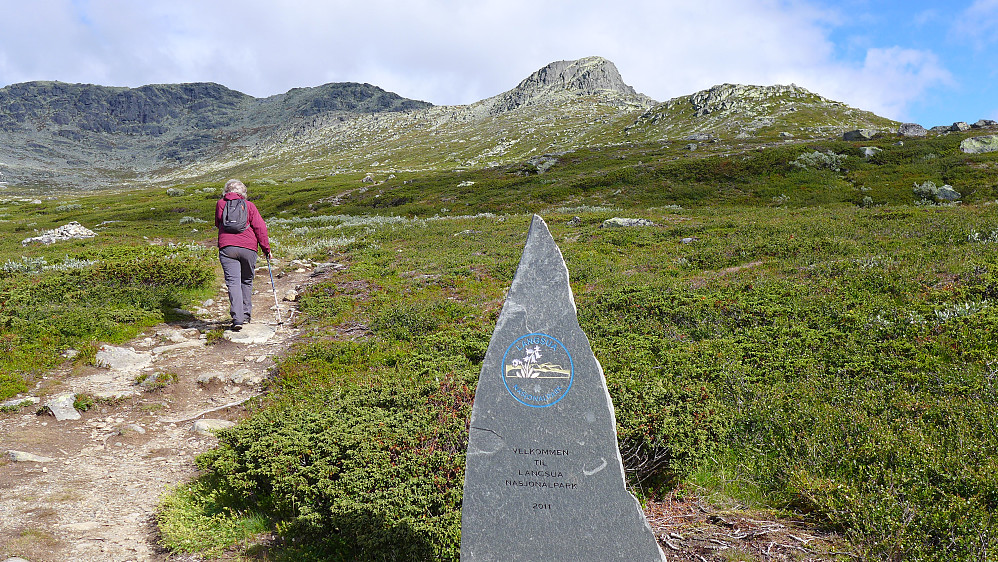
54 133
736 111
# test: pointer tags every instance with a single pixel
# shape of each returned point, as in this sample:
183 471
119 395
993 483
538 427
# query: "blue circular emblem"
537 370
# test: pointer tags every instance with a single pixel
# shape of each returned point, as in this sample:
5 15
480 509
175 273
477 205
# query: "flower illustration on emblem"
526 365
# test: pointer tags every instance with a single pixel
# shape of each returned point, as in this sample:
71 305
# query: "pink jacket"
255 233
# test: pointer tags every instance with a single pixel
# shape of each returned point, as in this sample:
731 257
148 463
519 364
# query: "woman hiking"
240 230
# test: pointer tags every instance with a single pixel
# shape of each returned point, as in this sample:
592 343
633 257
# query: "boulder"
984 124
959 126
980 145
939 129
869 151
947 193
859 135
912 130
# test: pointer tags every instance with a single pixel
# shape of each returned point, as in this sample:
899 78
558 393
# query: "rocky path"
86 489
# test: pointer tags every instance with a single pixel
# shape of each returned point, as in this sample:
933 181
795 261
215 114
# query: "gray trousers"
239 266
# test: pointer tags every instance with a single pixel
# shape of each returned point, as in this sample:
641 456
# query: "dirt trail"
95 496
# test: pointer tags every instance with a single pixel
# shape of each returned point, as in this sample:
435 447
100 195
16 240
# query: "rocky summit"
591 76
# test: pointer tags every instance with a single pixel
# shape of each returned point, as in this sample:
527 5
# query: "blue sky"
933 63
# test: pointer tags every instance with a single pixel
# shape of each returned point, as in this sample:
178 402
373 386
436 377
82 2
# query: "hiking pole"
277 305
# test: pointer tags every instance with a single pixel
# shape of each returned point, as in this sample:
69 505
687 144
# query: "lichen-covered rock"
947 193
980 145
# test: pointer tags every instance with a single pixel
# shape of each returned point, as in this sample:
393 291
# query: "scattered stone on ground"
71 231
618 222
20 456
62 407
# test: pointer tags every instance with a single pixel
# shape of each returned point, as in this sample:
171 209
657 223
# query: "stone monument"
544 479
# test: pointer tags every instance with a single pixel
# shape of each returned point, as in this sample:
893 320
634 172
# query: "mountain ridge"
57 135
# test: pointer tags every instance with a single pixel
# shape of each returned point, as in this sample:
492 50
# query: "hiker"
240 230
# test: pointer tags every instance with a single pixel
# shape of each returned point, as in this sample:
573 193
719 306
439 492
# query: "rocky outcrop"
728 96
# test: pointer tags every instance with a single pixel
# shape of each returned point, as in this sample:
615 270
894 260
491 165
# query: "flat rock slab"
62 408
14 402
209 427
544 478
177 346
123 358
21 456
251 334
239 376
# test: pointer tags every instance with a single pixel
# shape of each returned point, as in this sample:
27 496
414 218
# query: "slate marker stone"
544 478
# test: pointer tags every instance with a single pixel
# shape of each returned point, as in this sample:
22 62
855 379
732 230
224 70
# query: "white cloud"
887 83
978 23
451 51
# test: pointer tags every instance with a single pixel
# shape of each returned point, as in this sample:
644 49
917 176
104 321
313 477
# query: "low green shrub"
363 471
109 295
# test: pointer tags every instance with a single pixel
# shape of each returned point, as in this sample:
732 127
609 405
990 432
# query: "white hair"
235 186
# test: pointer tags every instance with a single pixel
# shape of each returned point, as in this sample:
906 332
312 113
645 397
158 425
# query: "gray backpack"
235 219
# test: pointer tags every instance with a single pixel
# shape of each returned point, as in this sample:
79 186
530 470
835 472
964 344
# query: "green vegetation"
776 338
